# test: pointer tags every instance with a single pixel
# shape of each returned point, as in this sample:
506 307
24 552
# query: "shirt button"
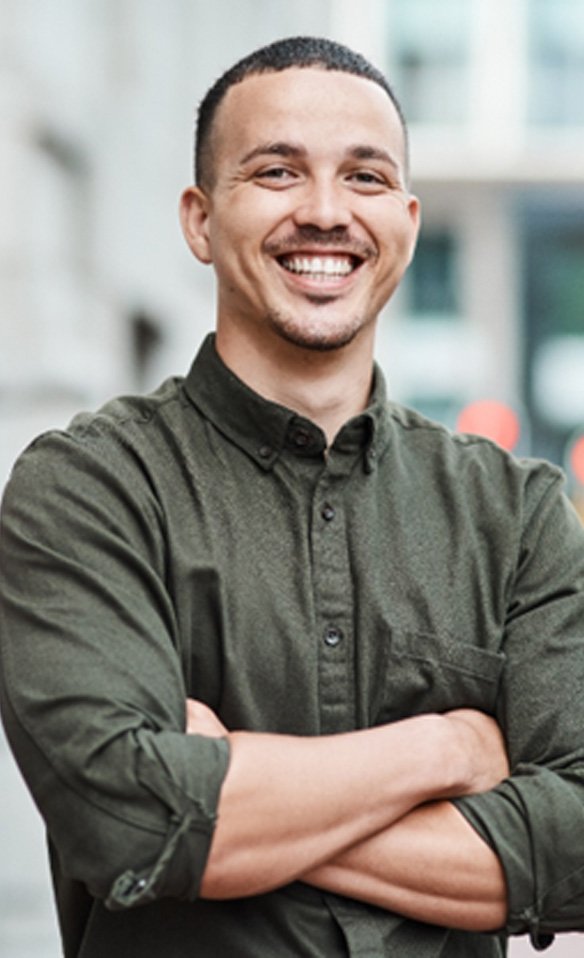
332 636
327 512
301 438
265 452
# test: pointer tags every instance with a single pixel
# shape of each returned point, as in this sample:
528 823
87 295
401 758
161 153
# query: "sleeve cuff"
192 800
534 822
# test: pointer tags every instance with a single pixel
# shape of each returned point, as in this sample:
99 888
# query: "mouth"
320 268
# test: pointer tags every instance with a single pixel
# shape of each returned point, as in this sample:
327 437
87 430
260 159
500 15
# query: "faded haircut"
282 55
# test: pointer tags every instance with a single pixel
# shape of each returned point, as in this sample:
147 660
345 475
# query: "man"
351 601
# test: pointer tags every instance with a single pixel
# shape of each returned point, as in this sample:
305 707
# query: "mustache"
312 235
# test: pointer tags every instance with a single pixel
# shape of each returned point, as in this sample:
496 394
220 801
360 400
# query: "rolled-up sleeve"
93 696
535 819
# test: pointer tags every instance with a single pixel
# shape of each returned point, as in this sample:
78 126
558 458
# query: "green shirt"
199 542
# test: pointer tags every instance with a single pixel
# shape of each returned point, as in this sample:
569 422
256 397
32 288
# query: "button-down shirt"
203 542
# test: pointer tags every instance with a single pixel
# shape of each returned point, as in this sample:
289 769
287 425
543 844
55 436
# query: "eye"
276 177
368 178
368 181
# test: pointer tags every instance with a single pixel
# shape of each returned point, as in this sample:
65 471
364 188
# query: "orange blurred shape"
577 459
492 419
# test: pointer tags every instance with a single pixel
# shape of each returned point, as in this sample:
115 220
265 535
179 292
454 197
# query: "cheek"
238 232
262 216
236 264
399 243
228 248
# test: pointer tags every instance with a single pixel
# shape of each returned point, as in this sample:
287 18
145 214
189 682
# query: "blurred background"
100 295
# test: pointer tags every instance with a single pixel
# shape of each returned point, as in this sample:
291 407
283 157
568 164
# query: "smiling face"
307 221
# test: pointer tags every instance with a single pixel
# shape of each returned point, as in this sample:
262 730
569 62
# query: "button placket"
333 594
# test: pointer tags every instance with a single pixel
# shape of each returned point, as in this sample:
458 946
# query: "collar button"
301 438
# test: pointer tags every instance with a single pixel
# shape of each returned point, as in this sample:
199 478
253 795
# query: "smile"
320 267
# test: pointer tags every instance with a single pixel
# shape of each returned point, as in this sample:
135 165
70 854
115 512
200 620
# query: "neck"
327 387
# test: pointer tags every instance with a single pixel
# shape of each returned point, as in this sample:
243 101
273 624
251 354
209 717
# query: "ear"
415 219
194 217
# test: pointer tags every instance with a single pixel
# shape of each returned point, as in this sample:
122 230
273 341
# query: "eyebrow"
364 152
281 148
274 149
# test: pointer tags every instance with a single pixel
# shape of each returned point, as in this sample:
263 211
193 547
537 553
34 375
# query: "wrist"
450 756
477 751
435 757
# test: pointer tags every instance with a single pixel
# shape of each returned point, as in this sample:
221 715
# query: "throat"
326 384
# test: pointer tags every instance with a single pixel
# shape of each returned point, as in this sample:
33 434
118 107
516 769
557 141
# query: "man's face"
308 221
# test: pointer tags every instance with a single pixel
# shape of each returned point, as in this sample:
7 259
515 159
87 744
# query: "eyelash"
274 172
366 176
283 175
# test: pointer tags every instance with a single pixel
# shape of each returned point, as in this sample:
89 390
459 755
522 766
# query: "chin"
315 336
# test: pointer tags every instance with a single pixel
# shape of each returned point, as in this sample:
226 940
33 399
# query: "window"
556 280
556 61
554 325
433 290
429 50
435 348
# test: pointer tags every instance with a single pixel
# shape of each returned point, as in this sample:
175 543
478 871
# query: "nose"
323 203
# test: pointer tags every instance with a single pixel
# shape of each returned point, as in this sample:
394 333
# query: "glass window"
429 50
554 326
556 61
433 288
555 281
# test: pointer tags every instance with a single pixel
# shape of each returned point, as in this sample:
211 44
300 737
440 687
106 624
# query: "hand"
201 720
483 748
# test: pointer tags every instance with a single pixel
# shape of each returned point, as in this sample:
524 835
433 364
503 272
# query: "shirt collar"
263 429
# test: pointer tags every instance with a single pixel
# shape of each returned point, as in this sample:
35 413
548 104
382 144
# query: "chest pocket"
424 672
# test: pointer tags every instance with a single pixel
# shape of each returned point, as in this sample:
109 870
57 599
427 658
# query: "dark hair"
281 55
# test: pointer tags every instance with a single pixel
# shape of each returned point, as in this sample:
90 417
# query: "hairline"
211 103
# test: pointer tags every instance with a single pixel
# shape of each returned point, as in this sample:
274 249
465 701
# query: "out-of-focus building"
494 305
100 295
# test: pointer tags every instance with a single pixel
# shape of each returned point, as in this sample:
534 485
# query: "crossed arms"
364 814
94 707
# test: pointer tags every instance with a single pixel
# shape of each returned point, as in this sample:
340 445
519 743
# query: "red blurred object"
492 419
576 459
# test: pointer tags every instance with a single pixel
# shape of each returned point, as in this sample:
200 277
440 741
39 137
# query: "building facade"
494 306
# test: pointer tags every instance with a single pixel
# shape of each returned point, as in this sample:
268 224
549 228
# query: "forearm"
290 804
431 866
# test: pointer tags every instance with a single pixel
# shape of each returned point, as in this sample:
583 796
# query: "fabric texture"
198 542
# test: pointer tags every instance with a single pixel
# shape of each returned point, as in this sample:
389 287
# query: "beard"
319 333
314 334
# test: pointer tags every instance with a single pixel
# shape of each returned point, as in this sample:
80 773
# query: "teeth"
319 265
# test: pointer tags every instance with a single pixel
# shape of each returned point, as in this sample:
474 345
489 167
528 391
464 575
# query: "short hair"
282 55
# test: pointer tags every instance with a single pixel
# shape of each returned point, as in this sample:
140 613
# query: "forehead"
306 105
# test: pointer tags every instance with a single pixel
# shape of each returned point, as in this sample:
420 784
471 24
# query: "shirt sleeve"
534 820
93 696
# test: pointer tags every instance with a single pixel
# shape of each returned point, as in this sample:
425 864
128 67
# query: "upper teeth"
327 265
